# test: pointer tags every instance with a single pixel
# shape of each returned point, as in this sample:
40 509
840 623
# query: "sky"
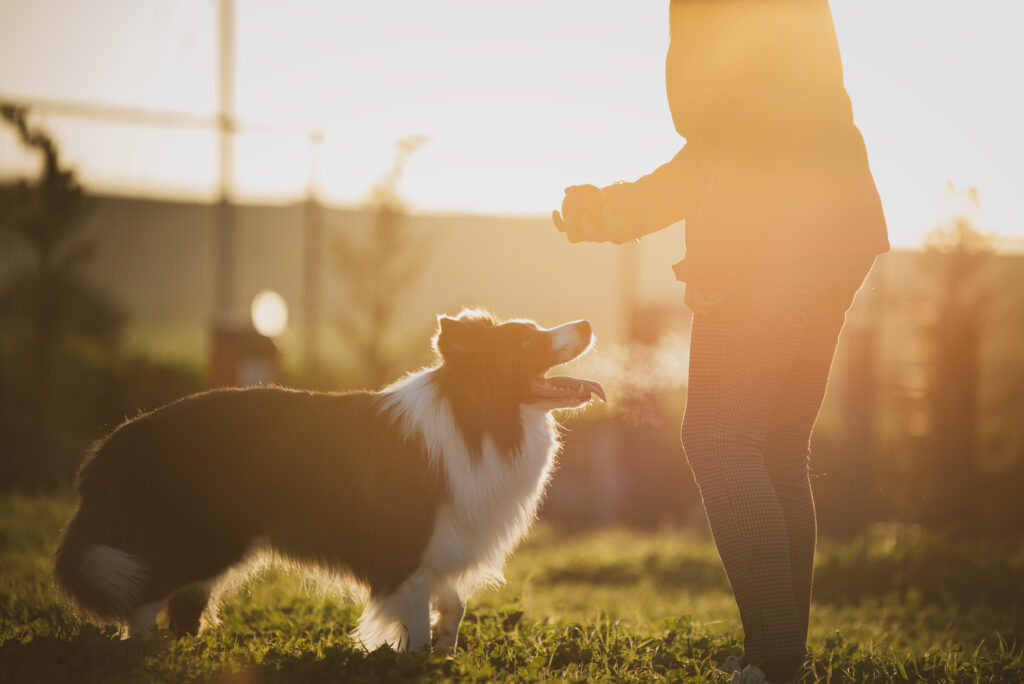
518 99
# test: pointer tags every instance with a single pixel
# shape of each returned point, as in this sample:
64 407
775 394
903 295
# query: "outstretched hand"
588 216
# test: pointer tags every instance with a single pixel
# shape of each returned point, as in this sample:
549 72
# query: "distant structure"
225 122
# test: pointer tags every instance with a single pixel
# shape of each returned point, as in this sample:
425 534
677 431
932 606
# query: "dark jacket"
773 169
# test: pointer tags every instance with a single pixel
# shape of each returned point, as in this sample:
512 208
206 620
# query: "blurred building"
873 448
156 259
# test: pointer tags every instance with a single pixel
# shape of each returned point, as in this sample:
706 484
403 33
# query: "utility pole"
224 279
225 233
860 405
312 263
629 290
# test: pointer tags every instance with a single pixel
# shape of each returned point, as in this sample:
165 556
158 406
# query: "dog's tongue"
564 386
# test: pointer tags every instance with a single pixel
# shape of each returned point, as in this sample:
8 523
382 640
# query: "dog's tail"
101 581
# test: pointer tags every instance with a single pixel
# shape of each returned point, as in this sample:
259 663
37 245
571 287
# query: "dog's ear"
451 335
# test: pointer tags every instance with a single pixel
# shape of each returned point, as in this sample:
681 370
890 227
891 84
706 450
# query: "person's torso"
780 171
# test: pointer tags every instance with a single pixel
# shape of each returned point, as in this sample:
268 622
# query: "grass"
896 604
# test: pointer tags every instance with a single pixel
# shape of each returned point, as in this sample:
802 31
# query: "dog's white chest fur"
494 497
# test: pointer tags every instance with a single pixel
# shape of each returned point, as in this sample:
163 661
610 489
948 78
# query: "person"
782 225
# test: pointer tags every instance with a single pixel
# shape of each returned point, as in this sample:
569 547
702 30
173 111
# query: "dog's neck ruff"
492 498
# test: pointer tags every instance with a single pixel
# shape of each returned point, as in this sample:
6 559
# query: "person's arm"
657 200
625 211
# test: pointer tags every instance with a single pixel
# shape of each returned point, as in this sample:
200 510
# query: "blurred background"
200 193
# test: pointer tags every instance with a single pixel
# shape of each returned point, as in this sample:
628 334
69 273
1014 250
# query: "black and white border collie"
416 493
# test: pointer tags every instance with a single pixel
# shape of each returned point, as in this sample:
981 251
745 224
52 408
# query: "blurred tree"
378 268
956 256
47 310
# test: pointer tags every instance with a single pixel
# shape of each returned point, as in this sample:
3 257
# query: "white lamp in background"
269 313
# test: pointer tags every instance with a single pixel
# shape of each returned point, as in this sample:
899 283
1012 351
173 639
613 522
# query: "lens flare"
269 313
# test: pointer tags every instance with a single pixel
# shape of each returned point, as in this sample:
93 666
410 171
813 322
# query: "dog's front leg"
144 620
400 619
451 608
413 604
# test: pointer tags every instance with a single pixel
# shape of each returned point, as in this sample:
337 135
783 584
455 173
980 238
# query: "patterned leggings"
759 364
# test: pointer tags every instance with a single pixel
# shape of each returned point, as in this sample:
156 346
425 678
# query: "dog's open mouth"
564 387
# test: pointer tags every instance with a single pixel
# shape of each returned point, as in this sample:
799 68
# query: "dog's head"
509 360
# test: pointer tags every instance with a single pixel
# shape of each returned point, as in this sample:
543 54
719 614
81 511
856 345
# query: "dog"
415 494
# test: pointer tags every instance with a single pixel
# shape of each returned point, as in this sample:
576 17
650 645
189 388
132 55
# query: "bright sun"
269 313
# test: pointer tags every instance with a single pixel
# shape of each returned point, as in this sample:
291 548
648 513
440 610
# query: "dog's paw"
443 640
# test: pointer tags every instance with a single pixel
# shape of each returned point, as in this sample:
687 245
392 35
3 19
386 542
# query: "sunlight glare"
269 313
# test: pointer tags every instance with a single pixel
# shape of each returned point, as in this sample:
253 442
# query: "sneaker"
751 674
732 665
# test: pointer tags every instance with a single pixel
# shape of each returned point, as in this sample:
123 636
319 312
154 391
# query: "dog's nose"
573 337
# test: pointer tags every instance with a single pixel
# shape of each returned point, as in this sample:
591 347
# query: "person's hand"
587 215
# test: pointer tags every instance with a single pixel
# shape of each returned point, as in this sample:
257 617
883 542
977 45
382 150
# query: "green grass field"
893 605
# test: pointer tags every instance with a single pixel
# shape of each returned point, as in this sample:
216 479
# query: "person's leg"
742 353
787 445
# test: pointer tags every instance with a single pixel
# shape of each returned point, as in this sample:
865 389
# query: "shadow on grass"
101 658
699 574
94 655
917 566
496 646
923 568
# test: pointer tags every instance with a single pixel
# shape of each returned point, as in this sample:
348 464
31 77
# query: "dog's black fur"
190 487
340 482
